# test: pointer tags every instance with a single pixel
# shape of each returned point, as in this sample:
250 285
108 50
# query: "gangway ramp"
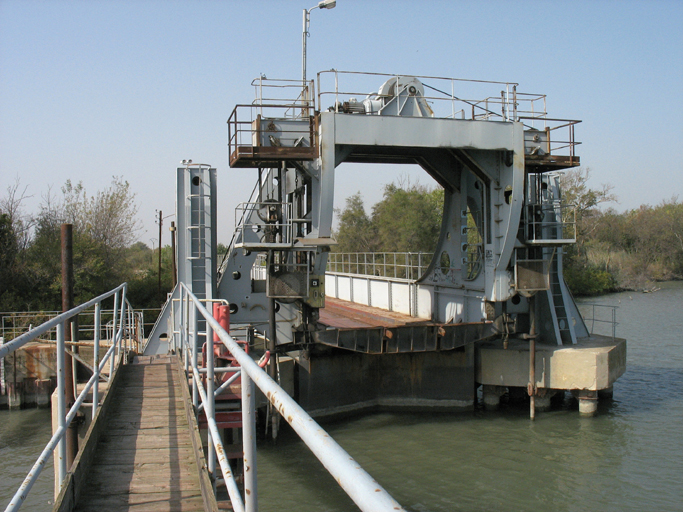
145 458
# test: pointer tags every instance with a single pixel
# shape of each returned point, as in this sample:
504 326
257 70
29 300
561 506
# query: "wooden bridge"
143 452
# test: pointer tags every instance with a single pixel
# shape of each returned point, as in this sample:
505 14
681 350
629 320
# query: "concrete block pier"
588 368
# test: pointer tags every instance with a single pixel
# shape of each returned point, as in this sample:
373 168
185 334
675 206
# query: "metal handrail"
612 322
22 322
358 484
58 438
398 265
508 100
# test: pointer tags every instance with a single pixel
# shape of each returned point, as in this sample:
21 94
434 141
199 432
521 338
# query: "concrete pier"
588 402
587 369
29 376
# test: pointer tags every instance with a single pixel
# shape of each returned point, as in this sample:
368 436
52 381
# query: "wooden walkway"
145 459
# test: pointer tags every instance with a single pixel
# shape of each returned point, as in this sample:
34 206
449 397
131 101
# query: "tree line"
407 219
105 248
614 251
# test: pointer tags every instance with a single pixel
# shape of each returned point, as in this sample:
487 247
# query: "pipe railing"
16 323
499 101
358 484
402 265
58 440
604 315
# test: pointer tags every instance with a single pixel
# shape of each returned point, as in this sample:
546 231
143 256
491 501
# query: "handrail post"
122 314
249 443
184 343
115 325
61 404
96 358
210 409
114 354
173 325
195 338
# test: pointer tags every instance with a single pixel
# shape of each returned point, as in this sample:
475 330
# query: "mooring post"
67 304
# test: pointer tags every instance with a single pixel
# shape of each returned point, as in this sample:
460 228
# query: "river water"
627 458
23 436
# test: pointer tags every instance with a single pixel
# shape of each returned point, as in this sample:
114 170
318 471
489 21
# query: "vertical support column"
161 222
588 402
68 393
272 343
173 255
249 443
531 388
96 359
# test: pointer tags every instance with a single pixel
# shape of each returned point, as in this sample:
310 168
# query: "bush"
589 279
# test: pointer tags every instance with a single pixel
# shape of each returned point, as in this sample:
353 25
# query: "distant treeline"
105 251
628 250
614 251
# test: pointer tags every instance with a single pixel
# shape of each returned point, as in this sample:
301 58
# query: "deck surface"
145 460
342 314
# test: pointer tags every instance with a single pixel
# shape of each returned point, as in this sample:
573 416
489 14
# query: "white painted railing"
122 323
358 484
392 294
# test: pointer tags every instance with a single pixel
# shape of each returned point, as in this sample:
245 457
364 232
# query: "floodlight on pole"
324 4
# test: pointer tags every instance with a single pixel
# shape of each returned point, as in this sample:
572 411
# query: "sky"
101 88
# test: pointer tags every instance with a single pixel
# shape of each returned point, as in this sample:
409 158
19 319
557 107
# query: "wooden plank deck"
145 459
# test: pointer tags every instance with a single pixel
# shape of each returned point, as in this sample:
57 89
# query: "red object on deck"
222 314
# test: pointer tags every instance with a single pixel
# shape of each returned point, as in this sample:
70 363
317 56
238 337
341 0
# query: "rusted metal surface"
344 314
244 137
268 156
548 163
375 331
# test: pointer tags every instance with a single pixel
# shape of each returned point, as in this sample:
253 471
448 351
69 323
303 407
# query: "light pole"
324 4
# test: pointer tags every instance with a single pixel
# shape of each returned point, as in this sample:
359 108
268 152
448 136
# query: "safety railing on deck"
600 318
122 325
15 323
398 265
358 484
253 134
551 223
454 98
